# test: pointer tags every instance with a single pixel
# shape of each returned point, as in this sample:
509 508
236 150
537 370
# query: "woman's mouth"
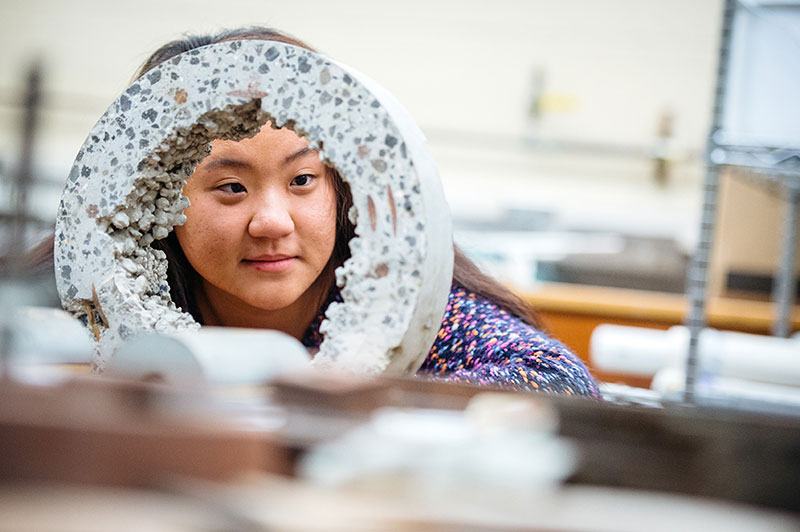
270 263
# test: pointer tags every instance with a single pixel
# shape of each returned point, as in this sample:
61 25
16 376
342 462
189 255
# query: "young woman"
266 229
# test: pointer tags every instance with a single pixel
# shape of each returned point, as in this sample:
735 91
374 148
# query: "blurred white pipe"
722 354
219 355
671 381
44 335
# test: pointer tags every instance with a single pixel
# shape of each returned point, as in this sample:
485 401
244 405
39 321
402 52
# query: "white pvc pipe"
641 351
220 355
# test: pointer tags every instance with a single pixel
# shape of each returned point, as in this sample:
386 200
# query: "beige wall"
464 70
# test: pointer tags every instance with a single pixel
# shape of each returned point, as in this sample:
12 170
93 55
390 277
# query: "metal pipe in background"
697 278
23 177
14 268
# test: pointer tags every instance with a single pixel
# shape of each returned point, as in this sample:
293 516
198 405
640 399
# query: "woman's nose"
271 220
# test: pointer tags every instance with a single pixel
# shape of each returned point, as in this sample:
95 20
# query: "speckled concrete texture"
124 191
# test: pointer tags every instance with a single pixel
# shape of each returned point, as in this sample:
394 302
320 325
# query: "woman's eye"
233 188
302 180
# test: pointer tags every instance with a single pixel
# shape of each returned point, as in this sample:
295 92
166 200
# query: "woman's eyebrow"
225 162
302 152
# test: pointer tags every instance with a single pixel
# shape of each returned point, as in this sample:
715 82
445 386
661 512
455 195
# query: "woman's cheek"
201 233
214 233
325 223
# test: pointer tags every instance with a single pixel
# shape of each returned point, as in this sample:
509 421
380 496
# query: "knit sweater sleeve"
480 343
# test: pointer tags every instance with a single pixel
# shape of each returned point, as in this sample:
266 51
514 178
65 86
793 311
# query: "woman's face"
261 225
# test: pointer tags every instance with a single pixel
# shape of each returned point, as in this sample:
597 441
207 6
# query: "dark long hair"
182 277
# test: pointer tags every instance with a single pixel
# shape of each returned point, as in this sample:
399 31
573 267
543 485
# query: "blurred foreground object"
483 449
118 433
450 456
45 341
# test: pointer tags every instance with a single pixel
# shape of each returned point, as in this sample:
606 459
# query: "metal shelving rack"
776 167
18 285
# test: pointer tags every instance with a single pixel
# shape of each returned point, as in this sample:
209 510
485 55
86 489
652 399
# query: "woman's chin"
274 299
271 304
